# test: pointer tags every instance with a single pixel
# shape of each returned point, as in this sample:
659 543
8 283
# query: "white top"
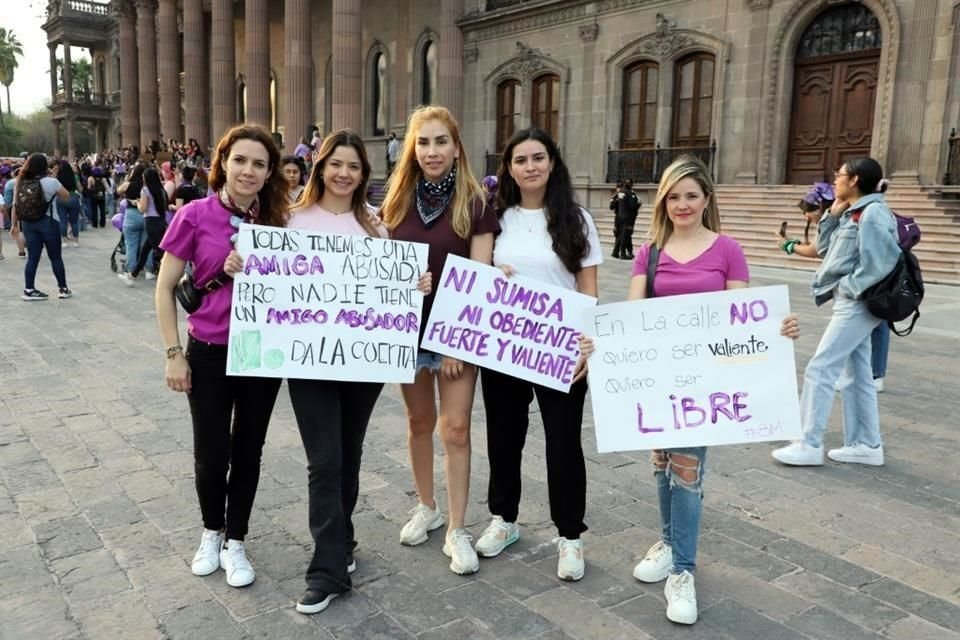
313 218
525 245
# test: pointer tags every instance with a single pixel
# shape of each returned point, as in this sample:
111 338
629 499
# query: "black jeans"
623 246
507 402
39 235
98 211
227 460
332 417
156 226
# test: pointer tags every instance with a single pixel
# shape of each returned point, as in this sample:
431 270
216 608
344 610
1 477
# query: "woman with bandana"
248 186
434 198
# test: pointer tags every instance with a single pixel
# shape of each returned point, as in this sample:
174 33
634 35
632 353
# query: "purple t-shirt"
709 271
200 233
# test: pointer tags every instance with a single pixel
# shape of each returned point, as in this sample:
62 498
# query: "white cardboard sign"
518 326
693 370
322 306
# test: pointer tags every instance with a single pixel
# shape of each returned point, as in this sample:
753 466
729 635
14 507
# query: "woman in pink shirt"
248 186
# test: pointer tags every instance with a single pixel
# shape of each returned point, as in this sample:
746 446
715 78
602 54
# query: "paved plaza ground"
99 519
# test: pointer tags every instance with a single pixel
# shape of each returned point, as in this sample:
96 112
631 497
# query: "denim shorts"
429 361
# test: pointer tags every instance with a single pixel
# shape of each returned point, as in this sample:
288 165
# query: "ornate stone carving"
53 8
589 32
122 8
526 62
665 41
471 53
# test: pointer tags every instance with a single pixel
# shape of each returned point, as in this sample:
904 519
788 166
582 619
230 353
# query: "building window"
693 100
546 104
508 111
640 90
241 100
429 67
839 30
378 77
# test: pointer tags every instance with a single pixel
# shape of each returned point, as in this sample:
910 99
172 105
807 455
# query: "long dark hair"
565 222
273 194
35 168
135 182
67 177
869 175
313 192
151 180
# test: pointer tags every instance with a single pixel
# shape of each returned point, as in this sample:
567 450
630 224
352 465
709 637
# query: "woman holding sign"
544 235
249 187
690 255
333 415
433 198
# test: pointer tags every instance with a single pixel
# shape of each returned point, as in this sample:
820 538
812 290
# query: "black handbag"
653 257
190 296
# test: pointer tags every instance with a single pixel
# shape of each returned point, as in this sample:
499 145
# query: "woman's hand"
790 327
580 371
233 264
178 373
507 270
586 346
451 368
14 230
424 284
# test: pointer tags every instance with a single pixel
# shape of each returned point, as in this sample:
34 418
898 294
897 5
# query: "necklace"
530 219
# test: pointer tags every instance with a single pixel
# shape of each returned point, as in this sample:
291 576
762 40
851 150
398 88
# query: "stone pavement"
99 520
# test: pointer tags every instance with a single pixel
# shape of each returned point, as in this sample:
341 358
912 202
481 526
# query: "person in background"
97 190
489 184
8 186
859 244
187 191
393 151
628 205
70 208
615 208
433 198
293 172
546 236
153 205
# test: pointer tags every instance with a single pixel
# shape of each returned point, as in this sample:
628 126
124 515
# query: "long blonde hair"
686 166
403 182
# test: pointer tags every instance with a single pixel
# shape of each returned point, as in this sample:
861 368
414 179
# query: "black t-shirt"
186 192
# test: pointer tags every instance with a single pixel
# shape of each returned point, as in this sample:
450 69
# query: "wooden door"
832 116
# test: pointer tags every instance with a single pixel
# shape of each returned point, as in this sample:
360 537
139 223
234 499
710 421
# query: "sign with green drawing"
325 306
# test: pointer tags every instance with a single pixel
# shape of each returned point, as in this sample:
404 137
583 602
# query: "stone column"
195 74
750 73
147 65
57 144
257 71
223 68
298 97
450 76
347 65
401 75
907 130
71 138
53 73
129 89
168 66
67 73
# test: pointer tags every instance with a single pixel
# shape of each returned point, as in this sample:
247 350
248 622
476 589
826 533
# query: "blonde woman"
433 198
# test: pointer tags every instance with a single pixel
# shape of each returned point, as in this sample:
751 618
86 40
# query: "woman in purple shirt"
248 186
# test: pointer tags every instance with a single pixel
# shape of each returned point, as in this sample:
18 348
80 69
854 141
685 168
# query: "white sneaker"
423 521
656 565
126 278
878 383
681 595
858 454
497 536
570 559
149 275
233 559
207 558
463 558
799 454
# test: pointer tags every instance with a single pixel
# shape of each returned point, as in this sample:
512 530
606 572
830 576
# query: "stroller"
118 258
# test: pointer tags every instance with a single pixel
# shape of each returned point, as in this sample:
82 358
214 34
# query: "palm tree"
81 72
10 50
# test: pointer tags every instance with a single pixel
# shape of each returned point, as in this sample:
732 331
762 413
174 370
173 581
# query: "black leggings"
156 226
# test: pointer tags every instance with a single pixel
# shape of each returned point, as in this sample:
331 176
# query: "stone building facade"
767 91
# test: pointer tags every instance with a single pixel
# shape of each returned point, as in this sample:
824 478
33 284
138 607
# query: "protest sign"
324 306
693 370
518 326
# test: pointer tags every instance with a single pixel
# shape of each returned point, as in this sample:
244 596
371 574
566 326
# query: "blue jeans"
134 236
40 234
428 360
681 504
70 212
843 354
879 348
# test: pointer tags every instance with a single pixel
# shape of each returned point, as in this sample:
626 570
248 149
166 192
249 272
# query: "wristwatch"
173 351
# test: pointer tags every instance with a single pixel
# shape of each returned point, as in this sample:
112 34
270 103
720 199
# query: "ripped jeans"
679 476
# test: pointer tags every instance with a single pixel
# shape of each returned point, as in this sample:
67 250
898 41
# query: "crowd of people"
525 221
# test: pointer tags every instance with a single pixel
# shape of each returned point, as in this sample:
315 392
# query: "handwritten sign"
693 370
519 326
325 306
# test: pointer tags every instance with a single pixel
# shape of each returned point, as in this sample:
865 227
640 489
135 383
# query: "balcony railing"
493 5
647 165
952 176
77 7
86 99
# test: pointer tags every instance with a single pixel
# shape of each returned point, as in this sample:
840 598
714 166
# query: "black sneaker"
351 563
33 295
65 293
314 601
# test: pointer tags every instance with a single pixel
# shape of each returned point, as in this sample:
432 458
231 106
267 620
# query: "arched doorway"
834 92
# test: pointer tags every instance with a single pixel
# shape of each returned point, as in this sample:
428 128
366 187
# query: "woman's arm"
177 370
587 281
481 248
122 189
142 202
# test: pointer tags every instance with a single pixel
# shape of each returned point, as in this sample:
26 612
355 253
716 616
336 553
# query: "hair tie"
882 185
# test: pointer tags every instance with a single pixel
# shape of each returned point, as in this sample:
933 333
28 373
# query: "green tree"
82 78
10 50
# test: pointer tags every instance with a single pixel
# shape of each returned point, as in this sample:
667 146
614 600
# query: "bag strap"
218 281
908 330
653 257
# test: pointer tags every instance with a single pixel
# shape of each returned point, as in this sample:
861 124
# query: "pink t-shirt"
200 233
313 218
709 271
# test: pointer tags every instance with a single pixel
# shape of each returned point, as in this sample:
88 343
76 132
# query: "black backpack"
30 203
899 294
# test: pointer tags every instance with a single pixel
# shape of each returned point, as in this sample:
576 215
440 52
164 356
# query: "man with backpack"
628 206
